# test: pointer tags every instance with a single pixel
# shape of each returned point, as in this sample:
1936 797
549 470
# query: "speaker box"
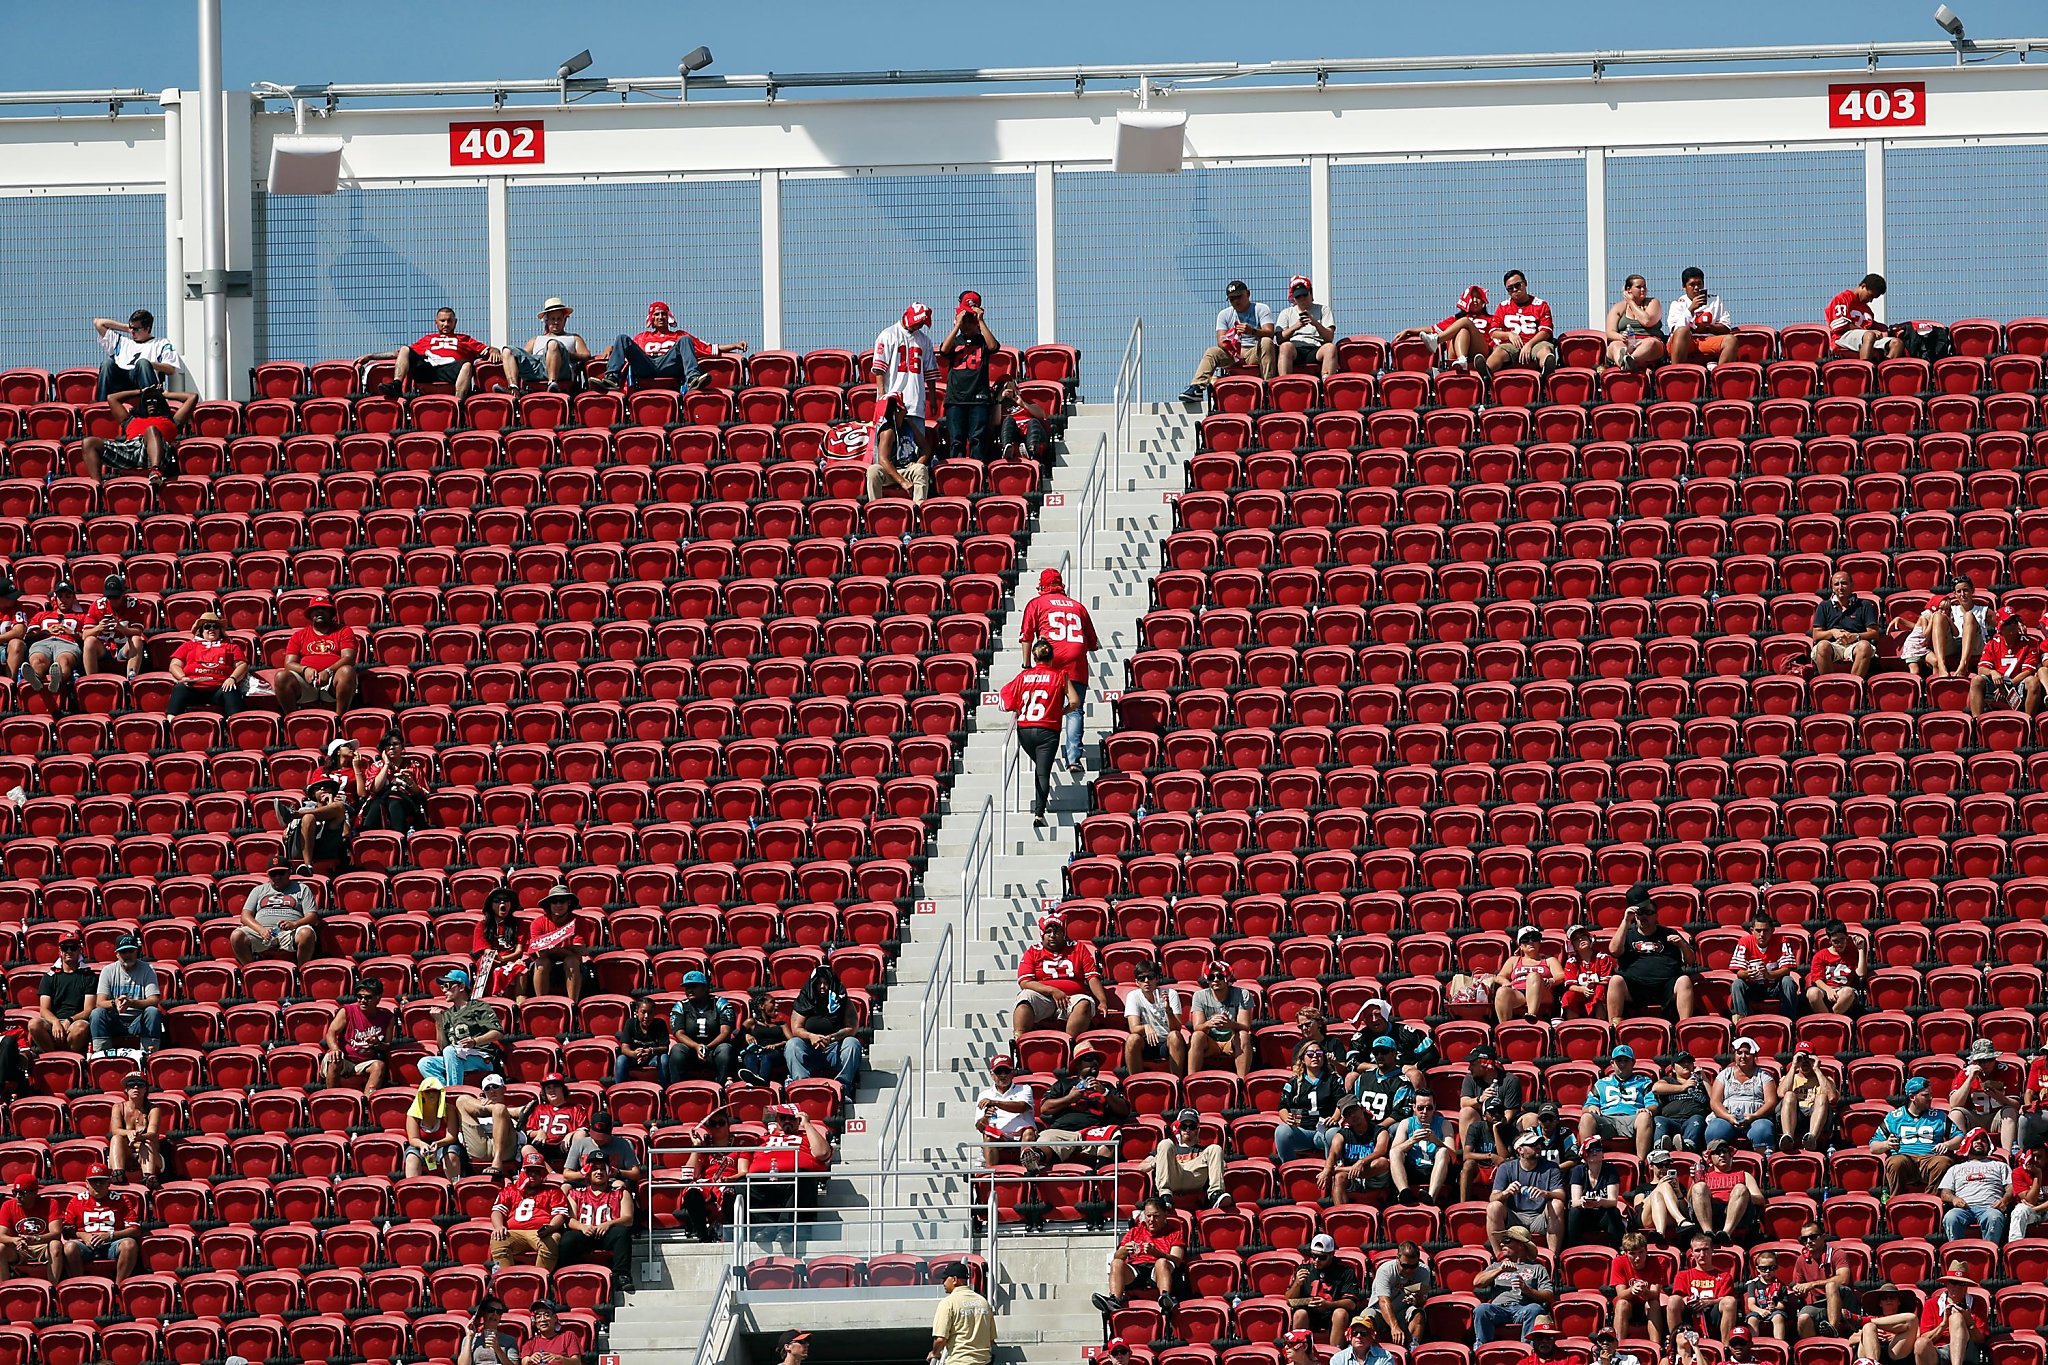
1148 141
305 165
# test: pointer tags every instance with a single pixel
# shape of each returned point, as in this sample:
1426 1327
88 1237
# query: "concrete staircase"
1048 1278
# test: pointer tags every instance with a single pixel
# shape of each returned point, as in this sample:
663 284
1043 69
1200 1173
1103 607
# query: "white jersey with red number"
1035 697
1066 970
1524 320
1709 314
1847 313
906 365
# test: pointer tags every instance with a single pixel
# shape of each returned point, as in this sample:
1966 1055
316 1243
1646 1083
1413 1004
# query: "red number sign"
1899 105
496 144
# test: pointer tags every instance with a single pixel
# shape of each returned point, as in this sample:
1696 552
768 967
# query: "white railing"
1090 515
1124 397
1012 778
933 1013
716 1341
898 1130
978 870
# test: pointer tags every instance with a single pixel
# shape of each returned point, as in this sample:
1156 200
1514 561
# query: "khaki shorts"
512 1243
1043 1008
1534 354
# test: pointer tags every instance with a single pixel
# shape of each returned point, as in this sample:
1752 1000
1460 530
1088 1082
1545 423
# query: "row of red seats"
194 1339
1671 383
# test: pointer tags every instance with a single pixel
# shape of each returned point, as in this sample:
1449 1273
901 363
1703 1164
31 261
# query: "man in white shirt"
1306 330
136 357
1159 1024
907 366
1244 336
1006 1112
1701 329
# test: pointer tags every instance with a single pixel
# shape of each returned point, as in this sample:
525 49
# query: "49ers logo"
848 441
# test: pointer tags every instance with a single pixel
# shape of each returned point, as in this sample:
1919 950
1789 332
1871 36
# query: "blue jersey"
1622 1098
1917 1134
1423 1151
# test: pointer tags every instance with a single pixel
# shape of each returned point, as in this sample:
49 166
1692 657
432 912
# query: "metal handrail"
1123 399
715 1340
978 869
933 1010
1011 779
1092 513
1593 64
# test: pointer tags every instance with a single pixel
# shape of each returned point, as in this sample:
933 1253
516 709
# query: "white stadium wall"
803 222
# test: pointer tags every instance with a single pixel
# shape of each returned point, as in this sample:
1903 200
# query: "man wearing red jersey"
30 1233
2009 674
529 1215
442 356
1155 1249
1040 697
1059 980
1521 331
99 1226
554 1120
662 350
1579 975
319 668
1702 1298
1854 329
207 670
55 654
600 1220
1057 618
113 624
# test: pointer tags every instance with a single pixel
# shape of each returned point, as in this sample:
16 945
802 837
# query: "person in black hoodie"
824 1033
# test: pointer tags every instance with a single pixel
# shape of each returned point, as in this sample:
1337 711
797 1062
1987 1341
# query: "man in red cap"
966 351
906 366
319 668
100 1225
1305 330
1062 622
29 1233
660 351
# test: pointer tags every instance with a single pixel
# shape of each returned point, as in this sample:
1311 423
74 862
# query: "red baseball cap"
1050 578
98 1171
552 1077
916 316
1301 1336
1741 1333
1300 283
968 299
318 598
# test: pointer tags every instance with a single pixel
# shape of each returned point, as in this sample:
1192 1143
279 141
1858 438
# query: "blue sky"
150 45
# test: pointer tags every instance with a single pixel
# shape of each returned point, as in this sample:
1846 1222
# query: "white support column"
1596 235
498 266
771 260
1873 206
173 315
1045 265
1319 232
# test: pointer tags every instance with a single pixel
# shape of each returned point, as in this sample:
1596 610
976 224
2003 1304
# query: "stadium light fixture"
1950 22
696 59
1149 141
578 63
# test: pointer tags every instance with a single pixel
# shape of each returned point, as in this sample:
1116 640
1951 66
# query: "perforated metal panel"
1777 233
1164 246
365 270
1406 237
857 248
71 258
608 249
1964 234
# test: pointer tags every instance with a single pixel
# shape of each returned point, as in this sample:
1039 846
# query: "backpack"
1928 341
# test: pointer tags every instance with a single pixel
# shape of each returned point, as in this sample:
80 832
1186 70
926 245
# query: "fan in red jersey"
442 356
1854 328
100 1228
1522 333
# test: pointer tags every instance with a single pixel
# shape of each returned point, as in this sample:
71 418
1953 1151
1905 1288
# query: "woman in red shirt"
1040 697
207 670
554 945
